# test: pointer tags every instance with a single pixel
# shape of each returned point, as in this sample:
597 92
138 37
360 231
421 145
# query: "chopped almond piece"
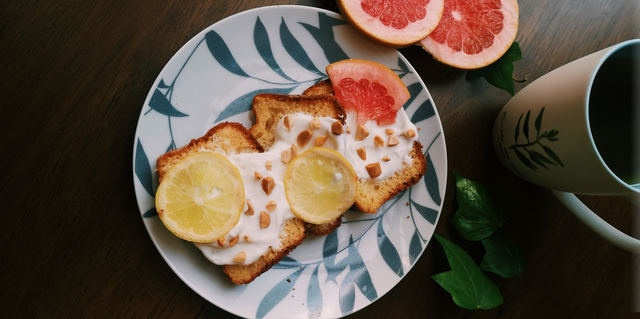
348 130
258 175
411 133
271 205
320 140
378 140
268 184
389 131
250 208
304 137
234 241
285 156
268 165
374 169
362 153
288 122
294 151
248 238
336 128
361 132
315 123
221 241
240 257
393 141
386 158
265 219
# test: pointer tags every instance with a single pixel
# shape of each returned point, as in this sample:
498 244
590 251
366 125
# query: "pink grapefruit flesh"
394 23
369 88
473 33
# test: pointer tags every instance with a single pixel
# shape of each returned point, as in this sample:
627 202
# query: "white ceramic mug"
577 130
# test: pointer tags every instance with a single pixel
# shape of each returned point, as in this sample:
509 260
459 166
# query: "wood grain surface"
75 76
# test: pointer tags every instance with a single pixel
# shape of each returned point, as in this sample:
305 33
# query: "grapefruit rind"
374 72
501 43
373 29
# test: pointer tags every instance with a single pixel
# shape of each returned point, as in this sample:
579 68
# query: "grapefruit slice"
394 23
369 88
473 33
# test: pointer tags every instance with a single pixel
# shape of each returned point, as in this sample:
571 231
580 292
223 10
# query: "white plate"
213 78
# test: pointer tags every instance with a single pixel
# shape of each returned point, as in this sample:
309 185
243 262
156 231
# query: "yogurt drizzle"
250 163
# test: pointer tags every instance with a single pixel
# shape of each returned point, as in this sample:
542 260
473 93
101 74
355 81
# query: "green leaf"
481 210
503 257
500 72
468 286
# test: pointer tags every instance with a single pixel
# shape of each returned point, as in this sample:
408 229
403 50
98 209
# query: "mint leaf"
481 210
468 286
500 72
503 257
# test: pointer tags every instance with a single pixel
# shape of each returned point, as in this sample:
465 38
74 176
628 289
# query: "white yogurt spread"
253 239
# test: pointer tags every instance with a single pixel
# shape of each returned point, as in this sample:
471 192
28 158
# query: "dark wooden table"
75 75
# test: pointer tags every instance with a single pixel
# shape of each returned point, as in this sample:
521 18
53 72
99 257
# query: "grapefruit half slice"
473 33
394 23
369 88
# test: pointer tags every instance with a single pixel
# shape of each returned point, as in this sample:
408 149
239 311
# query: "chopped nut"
285 156
361 132
389 131
374 169
393 141
320 140
268 165
294 151
288 122
348 130
336 128
248 238
362 153
271 205
240 257
315 123
268 184
386 158
304 137
258 175
378 140
222 241
411 133
250 208
234 241
418 128
265 219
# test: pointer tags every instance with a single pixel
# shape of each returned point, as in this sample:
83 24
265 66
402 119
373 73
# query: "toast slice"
269 109
370 194
235 138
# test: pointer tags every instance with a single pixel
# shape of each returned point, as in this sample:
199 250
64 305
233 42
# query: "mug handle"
597 224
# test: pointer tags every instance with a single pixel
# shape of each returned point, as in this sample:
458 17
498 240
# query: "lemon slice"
320 184
201 198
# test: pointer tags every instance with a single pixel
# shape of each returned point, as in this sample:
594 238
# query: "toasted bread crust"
322 87
227 137
370 194
293 233
324 229
271 108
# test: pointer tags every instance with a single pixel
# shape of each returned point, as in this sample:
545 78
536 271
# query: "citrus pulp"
473 33
320 184
369 88
201 197
395 23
